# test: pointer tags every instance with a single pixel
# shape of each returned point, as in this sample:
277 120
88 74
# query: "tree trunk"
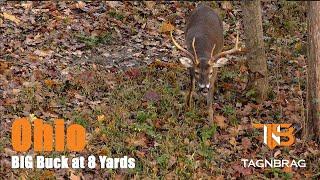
312 126
256 58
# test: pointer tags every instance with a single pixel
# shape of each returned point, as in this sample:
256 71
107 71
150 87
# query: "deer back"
206 27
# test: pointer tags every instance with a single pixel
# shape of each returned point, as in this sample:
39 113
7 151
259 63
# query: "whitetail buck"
204 40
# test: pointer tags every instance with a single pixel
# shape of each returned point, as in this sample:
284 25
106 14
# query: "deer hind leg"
210 96
191 89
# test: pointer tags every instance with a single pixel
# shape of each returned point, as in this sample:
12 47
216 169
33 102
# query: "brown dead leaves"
220 121
10 17
166 27
4 66
43 53
139 140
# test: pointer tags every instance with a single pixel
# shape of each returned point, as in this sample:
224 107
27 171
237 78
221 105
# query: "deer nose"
204 88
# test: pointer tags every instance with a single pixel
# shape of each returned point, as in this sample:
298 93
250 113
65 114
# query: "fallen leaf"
140 140
3 66
233 141
166 27
243 68
133 73
233 131
172 161
97 130
220 120
26 5
247 110
49 83
101 118
150 4
15 91
48 174
32 57
11 17
314 151
80 5
113 4
73 176
226 5
9 152
151 96
298 46
242 170
78 96
277 153
42 53
140 154
220 177
246 143
288 169
32 117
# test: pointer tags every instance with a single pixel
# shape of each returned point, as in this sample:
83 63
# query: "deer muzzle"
204 88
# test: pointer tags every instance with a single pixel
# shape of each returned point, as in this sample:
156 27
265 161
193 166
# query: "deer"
204 40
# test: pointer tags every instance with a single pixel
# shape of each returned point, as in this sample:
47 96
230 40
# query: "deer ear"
220 62
186 62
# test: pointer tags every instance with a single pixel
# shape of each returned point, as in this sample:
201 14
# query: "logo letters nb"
272 134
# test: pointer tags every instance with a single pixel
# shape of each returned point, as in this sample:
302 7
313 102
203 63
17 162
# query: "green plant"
116 15
81 121
92 41
228 110
208 132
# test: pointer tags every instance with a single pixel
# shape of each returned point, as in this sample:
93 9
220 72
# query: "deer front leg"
210 95
191 89
209 103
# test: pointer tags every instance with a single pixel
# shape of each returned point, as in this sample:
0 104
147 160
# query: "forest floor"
108 67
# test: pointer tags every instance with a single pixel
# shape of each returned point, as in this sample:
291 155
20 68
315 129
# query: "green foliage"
208 132
252 94
228 110
162 160
142 116
277 115
92 41
271 94
81 121
234 120
227 75
278 173
117 15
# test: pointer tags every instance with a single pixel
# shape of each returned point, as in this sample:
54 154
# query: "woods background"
111 67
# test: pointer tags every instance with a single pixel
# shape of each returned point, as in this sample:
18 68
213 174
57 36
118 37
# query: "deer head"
204 68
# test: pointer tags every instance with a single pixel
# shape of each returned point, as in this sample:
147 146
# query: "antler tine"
231 51
214 46
237 41
194 50
179 47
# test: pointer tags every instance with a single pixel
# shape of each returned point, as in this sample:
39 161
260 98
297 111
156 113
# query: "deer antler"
214 46
181 48
231 51
194 50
